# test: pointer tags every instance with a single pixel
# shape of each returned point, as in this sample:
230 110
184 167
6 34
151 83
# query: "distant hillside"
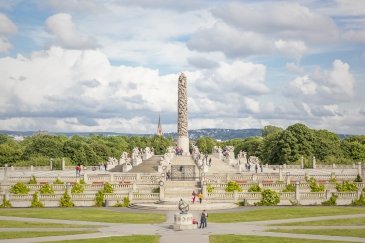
221 134
224 134
217 133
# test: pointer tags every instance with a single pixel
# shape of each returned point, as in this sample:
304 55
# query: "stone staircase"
218 166
174 190
147 166
183 160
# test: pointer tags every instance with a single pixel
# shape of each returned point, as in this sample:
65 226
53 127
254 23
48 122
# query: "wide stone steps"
218 165
147 166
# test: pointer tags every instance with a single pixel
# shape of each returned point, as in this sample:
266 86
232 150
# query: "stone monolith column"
182 115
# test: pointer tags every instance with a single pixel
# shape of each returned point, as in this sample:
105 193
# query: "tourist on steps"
193 196
200 196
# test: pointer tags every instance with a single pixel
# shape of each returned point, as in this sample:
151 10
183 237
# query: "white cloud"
294 49
294 68
7 27
224 38
238 77
77 84
285 20
325 85
63 28
354 35
305 85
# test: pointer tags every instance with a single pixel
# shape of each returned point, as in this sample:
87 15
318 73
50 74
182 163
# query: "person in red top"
78 170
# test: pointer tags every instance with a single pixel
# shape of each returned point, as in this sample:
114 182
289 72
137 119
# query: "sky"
113 66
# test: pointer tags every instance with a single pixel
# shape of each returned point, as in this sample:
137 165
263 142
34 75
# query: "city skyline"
113 66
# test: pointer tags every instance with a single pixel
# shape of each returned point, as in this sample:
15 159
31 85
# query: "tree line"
279 146
275 146
91 150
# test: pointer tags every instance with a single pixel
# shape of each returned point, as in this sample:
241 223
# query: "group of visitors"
256 166
194 195
178 151
105 165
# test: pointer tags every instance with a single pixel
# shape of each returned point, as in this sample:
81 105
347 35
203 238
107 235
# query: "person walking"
105 166
78 170
203 221
256 168
193 196
206 217
200 196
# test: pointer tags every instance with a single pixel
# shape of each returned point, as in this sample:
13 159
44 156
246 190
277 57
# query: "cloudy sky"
93 65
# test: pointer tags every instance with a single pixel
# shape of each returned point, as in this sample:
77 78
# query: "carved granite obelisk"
182 115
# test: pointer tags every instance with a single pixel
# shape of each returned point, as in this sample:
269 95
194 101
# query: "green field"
117 239
332 232
332 222
260 239
85 214
32 234
270 213
22 224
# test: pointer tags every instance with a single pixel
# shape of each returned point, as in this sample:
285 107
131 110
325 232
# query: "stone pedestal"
184 221
183 143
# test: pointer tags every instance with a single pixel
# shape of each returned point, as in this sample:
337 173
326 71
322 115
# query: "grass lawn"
259 239
335 232
272 213
21 224
85 214
115 239
32 234
332 222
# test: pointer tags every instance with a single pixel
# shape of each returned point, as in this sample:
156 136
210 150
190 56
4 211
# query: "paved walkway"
198 235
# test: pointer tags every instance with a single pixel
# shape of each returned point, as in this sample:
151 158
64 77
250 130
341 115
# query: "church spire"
159 127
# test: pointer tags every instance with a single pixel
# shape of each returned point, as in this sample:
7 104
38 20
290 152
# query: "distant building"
159 127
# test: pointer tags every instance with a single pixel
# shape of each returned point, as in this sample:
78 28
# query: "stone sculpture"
183 206
182 110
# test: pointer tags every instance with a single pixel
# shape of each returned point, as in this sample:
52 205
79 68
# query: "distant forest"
274 146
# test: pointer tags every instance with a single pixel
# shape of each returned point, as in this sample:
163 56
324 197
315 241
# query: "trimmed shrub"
331 201
82 181
5 204
233 186
269 198
19 188
125 203
33 180
346 186
359 202
58 182
99 199
314 186
36 203
210 188
156 190
46 189
77 188
65 201
254 188
358 178
289 188
109 189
